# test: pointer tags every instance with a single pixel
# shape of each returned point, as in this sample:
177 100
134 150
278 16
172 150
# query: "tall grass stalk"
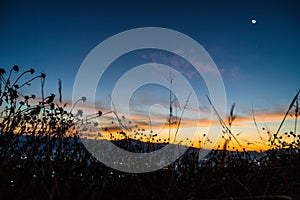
283 120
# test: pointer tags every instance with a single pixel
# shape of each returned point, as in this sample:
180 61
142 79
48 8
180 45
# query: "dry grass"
42 158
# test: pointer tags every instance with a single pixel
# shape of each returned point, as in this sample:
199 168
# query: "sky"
259 62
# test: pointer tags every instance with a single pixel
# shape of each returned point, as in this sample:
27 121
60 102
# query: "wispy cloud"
178 63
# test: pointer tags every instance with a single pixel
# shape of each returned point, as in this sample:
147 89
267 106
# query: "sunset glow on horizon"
252 45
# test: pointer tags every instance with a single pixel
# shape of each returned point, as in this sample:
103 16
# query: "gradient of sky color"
259 62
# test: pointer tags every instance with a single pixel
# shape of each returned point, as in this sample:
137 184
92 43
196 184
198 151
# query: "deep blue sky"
259 62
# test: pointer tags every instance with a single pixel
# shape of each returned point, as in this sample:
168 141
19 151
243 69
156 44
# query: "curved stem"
29 81
20 76
75 104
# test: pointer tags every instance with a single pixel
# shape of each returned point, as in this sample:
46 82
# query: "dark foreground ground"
51 168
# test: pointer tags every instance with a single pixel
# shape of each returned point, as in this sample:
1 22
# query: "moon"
253 21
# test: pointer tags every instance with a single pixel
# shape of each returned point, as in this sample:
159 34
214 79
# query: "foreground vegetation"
42 157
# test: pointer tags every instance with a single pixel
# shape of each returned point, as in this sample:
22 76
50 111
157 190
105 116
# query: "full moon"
253 21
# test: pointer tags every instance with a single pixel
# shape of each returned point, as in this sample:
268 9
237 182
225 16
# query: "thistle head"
2 71
43 75
31 71
16 68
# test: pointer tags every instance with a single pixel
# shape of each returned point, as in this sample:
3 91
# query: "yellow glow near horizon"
189 133
243 129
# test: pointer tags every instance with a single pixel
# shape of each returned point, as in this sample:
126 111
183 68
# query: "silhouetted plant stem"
27 82
171 79
223 123
296 117
42 89
286 114
83 99
27 71
257 129
182 112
